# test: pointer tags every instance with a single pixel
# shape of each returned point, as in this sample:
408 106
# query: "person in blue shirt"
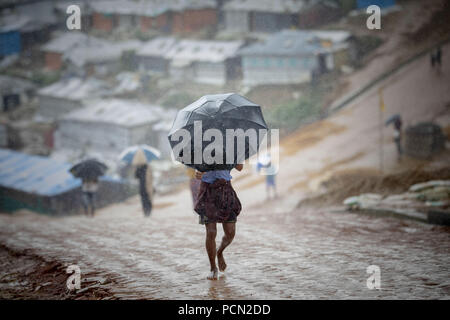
217 202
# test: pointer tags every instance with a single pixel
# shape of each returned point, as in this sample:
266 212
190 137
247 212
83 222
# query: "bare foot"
213 275
221 261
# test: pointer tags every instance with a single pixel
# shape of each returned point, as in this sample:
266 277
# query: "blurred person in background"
145 176
398 136
438 57
265 163
89 189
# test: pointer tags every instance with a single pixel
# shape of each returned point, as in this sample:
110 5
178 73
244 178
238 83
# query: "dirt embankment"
24 275
347 183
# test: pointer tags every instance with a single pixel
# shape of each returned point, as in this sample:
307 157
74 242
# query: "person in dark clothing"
432 59
143 173
398 136
89 189
438 57
217 202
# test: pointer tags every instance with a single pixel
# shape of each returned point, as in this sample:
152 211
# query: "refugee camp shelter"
39 11
22 29
192 15
109 126
99 60
155 16
45 185
108 15
318 13
66 42
10 39
293 56
261 15
179 16
152 55
67 95
14 92
205 61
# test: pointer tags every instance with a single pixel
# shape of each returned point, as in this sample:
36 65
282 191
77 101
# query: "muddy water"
308 254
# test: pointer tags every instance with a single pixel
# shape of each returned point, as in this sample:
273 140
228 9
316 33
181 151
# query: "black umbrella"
88 169
392 119
222 112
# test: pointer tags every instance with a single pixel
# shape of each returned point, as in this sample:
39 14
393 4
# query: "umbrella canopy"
220 112
138 155
392 119
88 169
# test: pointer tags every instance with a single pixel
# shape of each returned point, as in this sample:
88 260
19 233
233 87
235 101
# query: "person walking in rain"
89 171
144 174
89 189
398 136
265 163
438 57
217 202
139 157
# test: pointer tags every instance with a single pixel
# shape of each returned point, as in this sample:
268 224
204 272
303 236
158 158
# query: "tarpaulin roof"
35 174
148 7
297 42
109 51
76 89
157 46
125 113
275 6
203 50
67 41
10 84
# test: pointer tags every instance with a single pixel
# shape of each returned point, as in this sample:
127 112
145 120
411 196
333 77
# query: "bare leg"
229 230
210 244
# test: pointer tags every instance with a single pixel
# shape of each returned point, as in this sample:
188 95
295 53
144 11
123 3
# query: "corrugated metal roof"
274 6
125 113
13 22
82 55
35 174
76 89
148 7
119 7
67 41
10 84
157 47
20 22
296 42
38 175
202 50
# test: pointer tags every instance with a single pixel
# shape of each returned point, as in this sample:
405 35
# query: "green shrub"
44 78
289 116
178 100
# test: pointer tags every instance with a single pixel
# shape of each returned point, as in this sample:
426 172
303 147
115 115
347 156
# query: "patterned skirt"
217 202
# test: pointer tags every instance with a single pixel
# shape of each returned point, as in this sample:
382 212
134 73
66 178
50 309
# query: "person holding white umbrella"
139 157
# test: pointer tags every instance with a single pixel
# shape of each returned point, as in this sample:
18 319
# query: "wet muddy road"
306 254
